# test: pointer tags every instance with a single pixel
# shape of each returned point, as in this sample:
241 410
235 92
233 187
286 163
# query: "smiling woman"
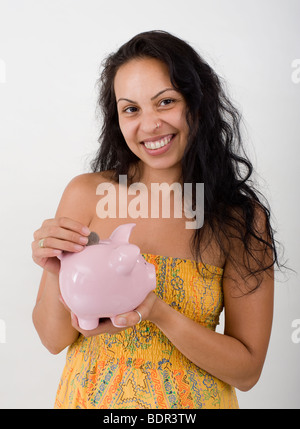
166 119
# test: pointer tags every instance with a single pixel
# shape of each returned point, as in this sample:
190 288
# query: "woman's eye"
167 101
130 109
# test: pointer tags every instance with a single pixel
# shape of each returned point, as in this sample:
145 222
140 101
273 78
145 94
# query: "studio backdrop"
50 57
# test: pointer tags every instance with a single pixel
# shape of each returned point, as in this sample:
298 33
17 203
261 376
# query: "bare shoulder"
85 185
79 197
90 180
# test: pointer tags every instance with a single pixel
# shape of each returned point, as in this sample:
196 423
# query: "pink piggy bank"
105 279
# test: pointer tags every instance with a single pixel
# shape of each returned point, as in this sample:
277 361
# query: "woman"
166 120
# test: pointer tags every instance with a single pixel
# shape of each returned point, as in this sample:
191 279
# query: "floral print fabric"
139 367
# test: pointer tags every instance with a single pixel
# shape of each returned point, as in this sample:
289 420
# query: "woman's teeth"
158 144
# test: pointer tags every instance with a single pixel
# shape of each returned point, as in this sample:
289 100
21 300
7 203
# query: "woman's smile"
158 145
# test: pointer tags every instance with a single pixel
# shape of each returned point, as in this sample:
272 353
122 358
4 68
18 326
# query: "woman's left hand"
122 321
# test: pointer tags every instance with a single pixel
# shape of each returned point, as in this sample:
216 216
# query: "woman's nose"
150 123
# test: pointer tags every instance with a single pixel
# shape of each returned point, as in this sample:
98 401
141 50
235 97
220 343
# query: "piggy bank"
105 279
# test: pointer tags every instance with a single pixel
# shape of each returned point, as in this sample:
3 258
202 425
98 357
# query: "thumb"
127 320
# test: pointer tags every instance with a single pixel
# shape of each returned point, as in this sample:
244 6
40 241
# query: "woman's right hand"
55 236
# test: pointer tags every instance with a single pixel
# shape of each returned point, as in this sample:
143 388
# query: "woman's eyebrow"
161 92
153 98
126 99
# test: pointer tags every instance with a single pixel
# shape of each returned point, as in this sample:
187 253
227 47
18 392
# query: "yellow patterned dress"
139 367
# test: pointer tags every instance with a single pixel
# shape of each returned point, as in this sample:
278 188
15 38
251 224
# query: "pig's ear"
123 258
122 233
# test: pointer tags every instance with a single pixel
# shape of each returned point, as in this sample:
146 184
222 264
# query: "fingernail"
78 247
85 230
83 240
119 322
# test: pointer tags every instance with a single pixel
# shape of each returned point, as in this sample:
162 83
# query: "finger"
40 233
64 234
73 225
63 228
62 245
43 252
56 245
127 319
58 238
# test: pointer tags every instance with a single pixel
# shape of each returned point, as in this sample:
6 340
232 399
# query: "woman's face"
152 113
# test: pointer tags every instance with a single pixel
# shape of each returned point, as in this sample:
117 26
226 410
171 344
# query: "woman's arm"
66 232
237 357
50 317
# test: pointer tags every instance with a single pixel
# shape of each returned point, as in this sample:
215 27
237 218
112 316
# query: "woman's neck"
148 175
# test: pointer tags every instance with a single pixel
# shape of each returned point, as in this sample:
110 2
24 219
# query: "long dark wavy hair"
214 154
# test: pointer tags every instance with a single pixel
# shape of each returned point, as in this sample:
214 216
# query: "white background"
50 54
